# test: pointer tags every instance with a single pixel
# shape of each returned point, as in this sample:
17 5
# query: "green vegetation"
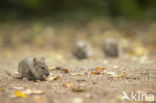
81 9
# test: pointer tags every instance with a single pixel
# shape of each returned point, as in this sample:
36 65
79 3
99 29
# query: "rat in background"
111 47
82 50
33 69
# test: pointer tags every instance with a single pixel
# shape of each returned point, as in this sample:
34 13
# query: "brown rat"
82 50
33 69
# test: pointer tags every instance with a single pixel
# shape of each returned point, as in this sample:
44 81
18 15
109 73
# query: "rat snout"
46 75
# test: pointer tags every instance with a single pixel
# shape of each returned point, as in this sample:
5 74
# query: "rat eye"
42 68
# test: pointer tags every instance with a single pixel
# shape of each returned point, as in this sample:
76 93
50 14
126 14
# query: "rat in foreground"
82 50
33 69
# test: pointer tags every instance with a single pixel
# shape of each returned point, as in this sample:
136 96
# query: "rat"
111 47
33 69
82 50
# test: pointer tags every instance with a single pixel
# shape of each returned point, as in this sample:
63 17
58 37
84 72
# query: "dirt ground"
81 83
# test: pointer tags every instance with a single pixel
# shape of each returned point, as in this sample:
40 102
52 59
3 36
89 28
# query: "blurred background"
57 24
50 28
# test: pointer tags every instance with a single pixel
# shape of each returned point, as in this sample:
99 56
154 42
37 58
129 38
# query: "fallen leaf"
70 84
99 70
95 72
57 77
122 75
1 89
78 89
20 94
51 78
65 70
64 85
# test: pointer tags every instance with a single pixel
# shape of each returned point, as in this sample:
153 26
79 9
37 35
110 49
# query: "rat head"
81 44
41 69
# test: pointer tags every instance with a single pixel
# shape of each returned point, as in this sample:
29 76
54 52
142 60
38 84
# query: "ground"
79 81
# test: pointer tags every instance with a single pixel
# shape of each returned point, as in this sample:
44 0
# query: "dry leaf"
65 70
78 89
99 70
95 72
122 75
64 85
51 78
57 77
70 84
1 89
20 94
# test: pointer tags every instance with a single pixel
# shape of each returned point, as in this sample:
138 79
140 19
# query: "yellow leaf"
122 75
1 89
100 68
20 94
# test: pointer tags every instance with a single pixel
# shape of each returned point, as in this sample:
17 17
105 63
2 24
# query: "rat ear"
35 61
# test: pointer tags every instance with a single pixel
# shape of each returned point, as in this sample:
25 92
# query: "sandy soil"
79 85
